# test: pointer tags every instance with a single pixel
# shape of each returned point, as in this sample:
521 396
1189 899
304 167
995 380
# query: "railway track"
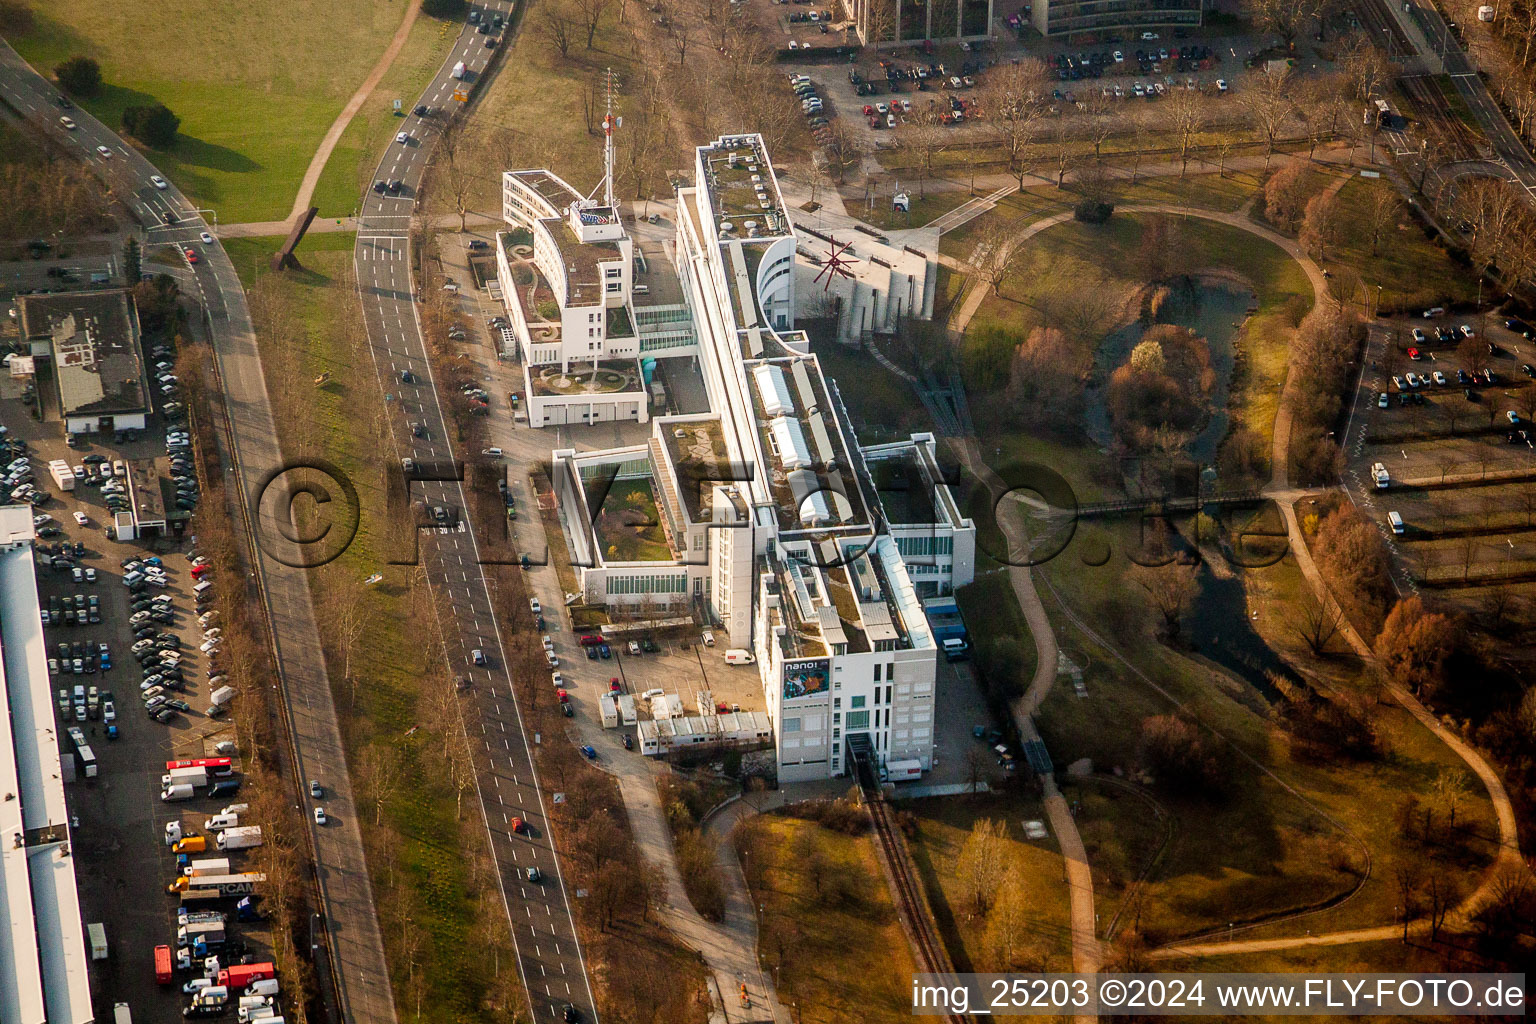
1383 30
907 892
1434 112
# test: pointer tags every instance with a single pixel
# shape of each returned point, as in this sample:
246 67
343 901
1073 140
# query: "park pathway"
1279 490
333 134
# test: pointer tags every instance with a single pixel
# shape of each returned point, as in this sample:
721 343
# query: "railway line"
906 891
1383 30
1433 111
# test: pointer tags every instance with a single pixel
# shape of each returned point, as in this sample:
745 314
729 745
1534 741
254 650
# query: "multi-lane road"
358 949
543 929
1447 50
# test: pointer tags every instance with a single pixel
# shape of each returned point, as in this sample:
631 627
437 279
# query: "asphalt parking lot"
1461 473
681 665
122 860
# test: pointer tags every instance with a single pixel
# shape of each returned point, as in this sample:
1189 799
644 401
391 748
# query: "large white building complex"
772 527
42 937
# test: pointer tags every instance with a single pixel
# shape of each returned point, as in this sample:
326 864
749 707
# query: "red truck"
239 976
163 964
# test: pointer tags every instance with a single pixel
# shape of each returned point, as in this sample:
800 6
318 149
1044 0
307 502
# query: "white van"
494 453
221 821
650 695
641 289
738 656
199 589
1382 477
264 987
1396 522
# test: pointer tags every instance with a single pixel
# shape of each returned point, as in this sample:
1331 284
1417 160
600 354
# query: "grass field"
942 828
831 931
1059 252
252 257
434 902
552 132
255 85
1285 840
350 169
1412 271
1203 191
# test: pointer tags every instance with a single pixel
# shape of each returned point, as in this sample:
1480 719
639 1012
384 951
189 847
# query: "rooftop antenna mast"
610 122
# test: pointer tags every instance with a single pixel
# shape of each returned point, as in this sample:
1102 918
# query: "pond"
1218 628
1214 310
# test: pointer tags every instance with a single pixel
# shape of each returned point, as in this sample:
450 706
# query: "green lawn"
256 85
628 525
1412 271
1281 841
252 257
942 827
923 209
349 170
831 931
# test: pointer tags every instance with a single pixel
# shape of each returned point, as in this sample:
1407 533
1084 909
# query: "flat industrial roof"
95 339
145 494
43 976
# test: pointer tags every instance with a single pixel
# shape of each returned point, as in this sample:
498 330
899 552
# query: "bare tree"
926 141
558 23
591 13
1409 877
880 20
1283 17
1381 214
1186 120
1314 624
996 254
983 861
1014 97
975 767
458 168
680 41
1266 98
348 614
1168 588
1320 227
1366 66
379 771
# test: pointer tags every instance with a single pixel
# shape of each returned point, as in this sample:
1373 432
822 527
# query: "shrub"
1173 751
1351 553
154 125
1093 211
1285 197
444 8
80 76
1415 645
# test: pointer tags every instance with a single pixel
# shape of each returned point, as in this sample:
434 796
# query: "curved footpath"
1280 491
333 134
